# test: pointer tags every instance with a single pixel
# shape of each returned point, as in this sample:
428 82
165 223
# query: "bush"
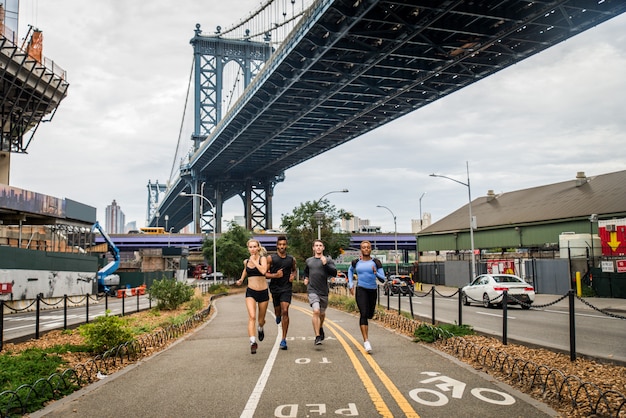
429 333
105 333
170 294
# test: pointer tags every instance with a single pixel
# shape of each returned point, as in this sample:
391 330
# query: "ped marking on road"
375 396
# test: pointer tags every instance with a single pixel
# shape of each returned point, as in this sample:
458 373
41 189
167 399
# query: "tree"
301 229
231 250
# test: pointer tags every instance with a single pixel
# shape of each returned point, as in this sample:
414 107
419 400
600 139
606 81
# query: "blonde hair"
262 250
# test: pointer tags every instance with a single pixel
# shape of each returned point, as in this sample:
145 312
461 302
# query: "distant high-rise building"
130 226
115 219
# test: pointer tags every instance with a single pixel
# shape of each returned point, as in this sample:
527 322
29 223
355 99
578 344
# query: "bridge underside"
354 66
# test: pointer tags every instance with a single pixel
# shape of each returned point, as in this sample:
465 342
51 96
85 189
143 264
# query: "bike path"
211 373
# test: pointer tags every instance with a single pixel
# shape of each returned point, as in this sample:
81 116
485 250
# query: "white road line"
496 315
255 396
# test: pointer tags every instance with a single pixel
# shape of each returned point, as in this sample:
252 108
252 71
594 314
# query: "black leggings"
366 301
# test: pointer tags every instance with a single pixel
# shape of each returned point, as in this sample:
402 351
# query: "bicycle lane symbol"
431 397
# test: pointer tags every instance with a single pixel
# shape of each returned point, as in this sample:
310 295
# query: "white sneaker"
367 346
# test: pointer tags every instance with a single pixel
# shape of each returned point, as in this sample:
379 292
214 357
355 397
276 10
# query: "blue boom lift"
107 281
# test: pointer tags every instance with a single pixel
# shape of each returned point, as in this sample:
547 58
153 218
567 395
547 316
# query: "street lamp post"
167 218
471 219
421 226
319 215
395 232
169 237
214 241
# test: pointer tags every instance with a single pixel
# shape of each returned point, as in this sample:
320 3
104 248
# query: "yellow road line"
380 404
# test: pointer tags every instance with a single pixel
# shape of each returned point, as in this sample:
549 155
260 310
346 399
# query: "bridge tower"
211 55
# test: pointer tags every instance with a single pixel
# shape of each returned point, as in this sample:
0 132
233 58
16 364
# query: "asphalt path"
211 373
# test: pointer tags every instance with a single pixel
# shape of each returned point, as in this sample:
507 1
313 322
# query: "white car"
487 289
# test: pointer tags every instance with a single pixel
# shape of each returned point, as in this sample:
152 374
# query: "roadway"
597 335
211 373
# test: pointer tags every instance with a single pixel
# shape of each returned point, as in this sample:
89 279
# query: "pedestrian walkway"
211 373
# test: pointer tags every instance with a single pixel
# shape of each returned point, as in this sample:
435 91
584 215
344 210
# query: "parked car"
487 289
398 284
339 280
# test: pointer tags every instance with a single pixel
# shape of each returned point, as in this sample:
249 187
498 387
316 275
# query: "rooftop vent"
490 195
581 178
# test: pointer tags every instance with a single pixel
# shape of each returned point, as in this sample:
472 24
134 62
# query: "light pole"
319 215
214 241
395 232
167 218
169 237
471 219
421 211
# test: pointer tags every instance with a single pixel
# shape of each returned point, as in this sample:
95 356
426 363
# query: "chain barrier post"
138 299
123 303
411 303
106 301
64 311
505 302
572 328
432 321
1 324
87 308
399 301
37 317
460 308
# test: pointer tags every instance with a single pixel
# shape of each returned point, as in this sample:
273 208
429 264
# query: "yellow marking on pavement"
367 382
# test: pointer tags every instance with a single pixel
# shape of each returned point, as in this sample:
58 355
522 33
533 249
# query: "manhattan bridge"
296 78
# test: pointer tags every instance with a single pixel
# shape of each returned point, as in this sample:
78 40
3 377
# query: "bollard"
579 290
37 317
505 302
87 308
1 324
432 321
64 311
572 328
460 308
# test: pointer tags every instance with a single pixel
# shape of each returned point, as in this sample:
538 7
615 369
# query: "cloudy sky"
128 64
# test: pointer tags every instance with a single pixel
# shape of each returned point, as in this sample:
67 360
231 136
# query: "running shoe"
253 348
283 344
318 340
367 346
322 333
261 334
278 318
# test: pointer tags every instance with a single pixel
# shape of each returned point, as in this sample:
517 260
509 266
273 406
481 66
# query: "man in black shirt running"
281 270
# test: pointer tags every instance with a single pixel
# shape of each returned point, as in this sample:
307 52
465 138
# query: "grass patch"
428 333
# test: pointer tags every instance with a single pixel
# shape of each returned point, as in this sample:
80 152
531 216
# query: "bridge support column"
259 205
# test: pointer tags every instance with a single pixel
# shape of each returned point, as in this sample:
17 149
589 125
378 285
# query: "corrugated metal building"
531 218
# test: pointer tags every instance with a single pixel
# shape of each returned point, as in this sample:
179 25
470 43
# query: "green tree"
301 229
231 250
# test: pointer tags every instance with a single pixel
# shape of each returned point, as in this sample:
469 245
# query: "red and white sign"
613 236
621 266
501 266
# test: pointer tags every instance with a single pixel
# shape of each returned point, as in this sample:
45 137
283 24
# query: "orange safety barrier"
141 290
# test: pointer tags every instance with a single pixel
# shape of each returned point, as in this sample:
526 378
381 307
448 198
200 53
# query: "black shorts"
258 295
281 296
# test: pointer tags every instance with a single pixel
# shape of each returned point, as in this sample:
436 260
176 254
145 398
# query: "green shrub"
105 332
218 288
428 333
196 304
298 286
170 294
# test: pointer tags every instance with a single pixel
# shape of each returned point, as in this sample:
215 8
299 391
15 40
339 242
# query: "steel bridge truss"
352 66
